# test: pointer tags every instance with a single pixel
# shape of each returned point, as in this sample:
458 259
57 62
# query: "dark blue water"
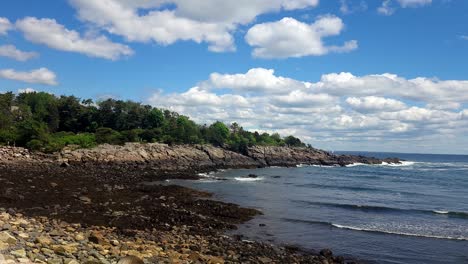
413 213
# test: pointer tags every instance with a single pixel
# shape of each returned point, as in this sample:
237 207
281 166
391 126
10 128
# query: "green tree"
218 133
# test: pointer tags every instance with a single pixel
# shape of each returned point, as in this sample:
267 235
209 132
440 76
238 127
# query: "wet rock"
326 253
85 199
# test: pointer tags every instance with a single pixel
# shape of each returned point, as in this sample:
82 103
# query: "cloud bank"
168 21
339 108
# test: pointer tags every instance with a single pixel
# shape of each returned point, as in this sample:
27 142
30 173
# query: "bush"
7 137
108 135
84 140
35 144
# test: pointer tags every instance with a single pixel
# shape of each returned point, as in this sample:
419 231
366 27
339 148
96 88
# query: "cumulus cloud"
340 108
388 7
289 37
12 52
420 89
40 76
374 103
254 80
56 36
5 25
168 21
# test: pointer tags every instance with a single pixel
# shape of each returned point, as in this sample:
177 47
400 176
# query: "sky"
366 75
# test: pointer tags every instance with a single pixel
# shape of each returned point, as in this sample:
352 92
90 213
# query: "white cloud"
56 36
420 89
291 38
12 52
305 99
26 90
207 21
387 8
352 6
339 111
5 26
414 3
255 80
374 103
40 76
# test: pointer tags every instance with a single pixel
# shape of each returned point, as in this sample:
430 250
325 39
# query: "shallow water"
416 212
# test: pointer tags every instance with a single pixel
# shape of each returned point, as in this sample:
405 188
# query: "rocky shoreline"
91 206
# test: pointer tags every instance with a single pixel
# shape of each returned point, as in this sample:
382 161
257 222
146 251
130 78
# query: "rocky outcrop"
284 156
163 157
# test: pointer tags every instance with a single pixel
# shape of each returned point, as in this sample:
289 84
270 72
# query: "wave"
207 174
315 165
336 187
374 230
357 164
401 164
208 181
451 213
244 179
371 230
374 208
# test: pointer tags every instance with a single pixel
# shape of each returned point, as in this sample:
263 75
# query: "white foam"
441 212
399 233
356 164
207 175
208 181
401 164
243 179
314 165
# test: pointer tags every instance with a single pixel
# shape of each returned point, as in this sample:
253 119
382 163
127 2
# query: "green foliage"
108 135
8 136
35 145
293 141
42 121
84 140
218 134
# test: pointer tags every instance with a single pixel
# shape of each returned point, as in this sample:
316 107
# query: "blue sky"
357 74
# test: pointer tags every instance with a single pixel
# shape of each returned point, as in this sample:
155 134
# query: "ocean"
416 212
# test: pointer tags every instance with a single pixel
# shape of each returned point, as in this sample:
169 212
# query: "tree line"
45 122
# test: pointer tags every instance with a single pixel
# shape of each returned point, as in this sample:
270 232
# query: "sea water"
414 212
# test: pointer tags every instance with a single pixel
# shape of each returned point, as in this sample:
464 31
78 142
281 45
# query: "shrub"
35 145
108 135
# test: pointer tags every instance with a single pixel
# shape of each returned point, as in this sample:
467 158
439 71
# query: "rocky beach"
95 206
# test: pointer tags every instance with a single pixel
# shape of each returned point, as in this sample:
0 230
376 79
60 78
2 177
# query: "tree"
293 141
218 134
44 121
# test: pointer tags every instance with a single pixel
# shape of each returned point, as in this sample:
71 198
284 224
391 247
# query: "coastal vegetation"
45 122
